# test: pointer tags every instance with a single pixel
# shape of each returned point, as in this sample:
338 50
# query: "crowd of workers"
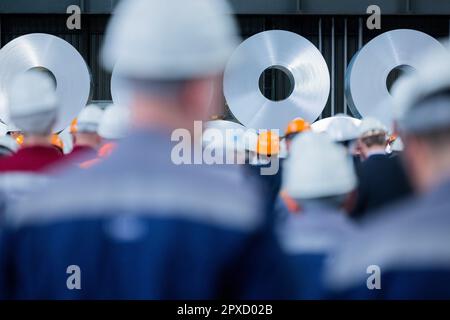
358 211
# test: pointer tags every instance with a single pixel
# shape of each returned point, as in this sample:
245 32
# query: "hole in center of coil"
276 83
397 73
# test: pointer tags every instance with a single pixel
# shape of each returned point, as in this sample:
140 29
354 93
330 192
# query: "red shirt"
31 159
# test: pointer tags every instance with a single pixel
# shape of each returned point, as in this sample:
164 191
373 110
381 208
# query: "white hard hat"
167 40
421 100
371 126
115 123
225 135
89 119
33 102
9 143
340 127
397 145
317 167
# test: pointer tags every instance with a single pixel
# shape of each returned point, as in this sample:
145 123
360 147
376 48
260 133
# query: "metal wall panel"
338 37
333 7
56 6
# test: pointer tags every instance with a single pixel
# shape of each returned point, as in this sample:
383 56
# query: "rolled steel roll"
52 55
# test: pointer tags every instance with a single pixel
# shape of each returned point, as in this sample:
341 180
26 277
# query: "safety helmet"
169 40
268 143
225 135
370 127
317 167
89 119
392 137
32 102
114 123
19 139
73 126
340 128
421 100
298 125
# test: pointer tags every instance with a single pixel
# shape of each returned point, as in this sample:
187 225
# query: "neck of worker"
160 115
35 140
375 150
438 172
90 140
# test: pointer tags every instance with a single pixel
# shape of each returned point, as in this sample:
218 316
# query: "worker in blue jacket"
403 253
145 224
319 175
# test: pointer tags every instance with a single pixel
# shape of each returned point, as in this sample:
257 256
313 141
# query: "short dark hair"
374 140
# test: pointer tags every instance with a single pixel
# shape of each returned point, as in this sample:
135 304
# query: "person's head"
427 149
170 55
318 170
423 120
372 137
114 123
85 131
342 129
294 128
33 106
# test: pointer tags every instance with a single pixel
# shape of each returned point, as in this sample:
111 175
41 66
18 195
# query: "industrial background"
337 28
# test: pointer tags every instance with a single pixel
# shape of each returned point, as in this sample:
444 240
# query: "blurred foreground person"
382 179
294 129
87 140
33 108
144 225
266 165
404 253
320 176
